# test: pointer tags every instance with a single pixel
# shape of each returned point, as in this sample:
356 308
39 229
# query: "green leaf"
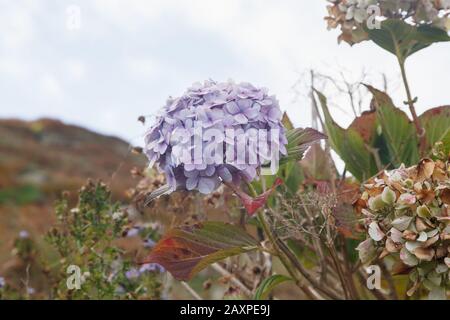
286 121
186 250
430 34
349 145
292 176
436 123
299 140
403 39
268 284
398 131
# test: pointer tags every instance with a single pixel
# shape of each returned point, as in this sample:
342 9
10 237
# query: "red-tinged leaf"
184 251
398 130
436 123
365 125
346 218
316 164
347 223
253 204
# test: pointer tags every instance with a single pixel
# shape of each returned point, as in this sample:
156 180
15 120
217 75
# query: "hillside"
40 159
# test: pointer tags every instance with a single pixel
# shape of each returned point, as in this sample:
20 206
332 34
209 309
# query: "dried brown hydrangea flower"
352 15
407 215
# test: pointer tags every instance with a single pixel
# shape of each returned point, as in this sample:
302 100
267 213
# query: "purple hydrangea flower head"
216 133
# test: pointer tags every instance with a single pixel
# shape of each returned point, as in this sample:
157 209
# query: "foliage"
185 251
351 145
384 137
20 195
268 285
86 237
403 40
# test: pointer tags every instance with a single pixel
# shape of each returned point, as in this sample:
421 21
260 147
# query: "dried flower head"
407 215
352 15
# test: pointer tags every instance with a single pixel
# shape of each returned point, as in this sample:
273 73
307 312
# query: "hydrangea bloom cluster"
350 15
221 108
407 215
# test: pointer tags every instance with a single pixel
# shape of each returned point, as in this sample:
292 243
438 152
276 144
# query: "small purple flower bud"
151 267
133 273
24 234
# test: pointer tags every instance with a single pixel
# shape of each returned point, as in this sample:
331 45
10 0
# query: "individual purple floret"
149 243
133 273
151 267
24 234
215 133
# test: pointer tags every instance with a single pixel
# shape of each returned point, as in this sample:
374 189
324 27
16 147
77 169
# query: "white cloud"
16 24
142 67
51 87
76 69
12 68
138 52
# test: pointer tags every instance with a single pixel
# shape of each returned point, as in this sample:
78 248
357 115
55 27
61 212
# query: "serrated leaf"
436 123
299 140
365 125
398 130
186 250
349 145
403 39
268 284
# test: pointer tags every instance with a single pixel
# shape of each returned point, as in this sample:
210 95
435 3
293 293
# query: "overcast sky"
122 59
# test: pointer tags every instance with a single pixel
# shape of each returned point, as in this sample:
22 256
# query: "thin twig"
191 291
232 278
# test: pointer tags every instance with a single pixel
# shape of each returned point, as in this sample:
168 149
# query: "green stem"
290 269
410 102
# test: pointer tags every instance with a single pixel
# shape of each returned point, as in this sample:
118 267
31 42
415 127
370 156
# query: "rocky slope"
40 159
